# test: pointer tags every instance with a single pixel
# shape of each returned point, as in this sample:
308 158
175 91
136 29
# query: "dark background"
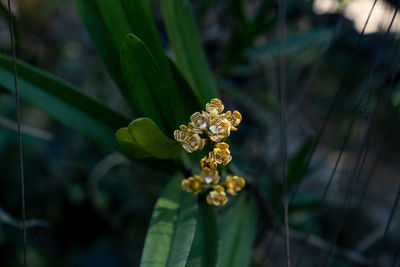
94 206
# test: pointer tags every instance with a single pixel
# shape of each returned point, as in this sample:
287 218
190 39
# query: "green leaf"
172 228
63 102
108 22
186 93
115 21
186 44
147 84
167 106
129 144
206 246
149 137
183 100
143 27
238 229
103 41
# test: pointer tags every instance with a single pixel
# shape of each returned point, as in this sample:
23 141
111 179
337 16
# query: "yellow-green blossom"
215 107
234 118
190 139
234 184
200 120
221 154
220 128
192 184
217 197
210 176
216 127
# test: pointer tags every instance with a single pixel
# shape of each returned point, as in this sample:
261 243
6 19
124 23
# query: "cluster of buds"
216 126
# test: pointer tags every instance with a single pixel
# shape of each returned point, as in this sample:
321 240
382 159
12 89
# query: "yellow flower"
234 119
180 135
210 176
234 184
200 120
193 142
219 129
217 197
193 128
215 107
190 138
192 184
216 126
207 163
221 154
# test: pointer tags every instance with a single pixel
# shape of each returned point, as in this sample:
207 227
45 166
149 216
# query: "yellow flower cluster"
217 126
213 123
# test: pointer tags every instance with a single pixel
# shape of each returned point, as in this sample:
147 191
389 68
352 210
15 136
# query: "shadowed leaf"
108 22
186 44
206 245
171 229
64 102
238 229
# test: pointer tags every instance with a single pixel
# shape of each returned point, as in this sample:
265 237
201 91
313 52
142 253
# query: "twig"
283 119
21 158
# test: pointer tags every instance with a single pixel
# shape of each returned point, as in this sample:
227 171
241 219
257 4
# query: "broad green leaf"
115 20
186 93
147 84
149 137
63 102
168 107
143 26
186 44
238 229
206 245
172 228
129 144
108 22
103 41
